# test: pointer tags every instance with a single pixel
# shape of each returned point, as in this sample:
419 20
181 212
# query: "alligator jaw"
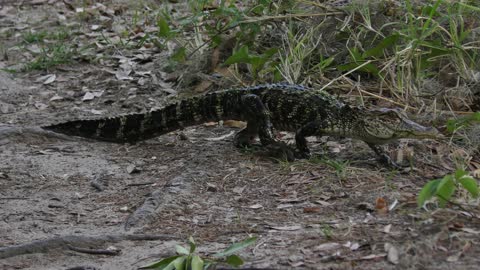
417 131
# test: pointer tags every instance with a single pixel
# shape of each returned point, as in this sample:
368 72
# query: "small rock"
132 169
88 96
211 187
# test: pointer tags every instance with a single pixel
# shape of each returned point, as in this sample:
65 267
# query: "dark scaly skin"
307 112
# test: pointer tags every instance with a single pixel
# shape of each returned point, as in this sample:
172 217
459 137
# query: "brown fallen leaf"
312 210
234 123
210 124
381 206
202 86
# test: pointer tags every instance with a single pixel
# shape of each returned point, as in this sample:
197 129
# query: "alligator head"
385 125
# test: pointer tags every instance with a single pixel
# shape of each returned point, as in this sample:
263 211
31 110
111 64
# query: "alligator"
265 108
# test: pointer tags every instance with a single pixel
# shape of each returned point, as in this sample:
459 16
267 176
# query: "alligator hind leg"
259 123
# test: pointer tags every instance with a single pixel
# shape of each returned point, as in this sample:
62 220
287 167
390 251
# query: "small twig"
344 75
140 184
320 5
95 251
457 204
83 268
388 100
288 16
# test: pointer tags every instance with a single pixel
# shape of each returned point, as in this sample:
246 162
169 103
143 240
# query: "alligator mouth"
421 132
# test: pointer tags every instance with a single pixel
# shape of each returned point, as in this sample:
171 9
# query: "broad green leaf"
470 184
236 247
385 43
197 263
459 173
234 260
216 40
445 190
240 56
369 68
161 265
179 263
270 52
427 192
164 29
192 245
181 250
452 125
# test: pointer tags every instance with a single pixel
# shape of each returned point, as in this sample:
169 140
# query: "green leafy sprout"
443 189
186 258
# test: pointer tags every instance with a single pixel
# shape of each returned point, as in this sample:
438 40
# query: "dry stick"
320 5
289 16
363 91
94 251
344 75
42 246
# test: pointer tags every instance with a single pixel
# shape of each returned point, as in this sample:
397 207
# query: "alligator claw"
303 154
281 151
387 161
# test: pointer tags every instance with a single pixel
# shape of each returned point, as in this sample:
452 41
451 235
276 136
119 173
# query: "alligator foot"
303 154
244 138
281 151
387 161
383 157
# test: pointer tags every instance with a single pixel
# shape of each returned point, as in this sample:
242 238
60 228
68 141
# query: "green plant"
453 125
339 166
404 52
34 37
51 56
327 231
209 22
443 189
257 62
186 258
300 56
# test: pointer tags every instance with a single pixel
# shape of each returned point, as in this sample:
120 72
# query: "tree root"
64 242
169 193
11 133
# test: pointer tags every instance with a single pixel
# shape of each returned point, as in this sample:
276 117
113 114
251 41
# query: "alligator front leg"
383 157
310 129
259 123
245 137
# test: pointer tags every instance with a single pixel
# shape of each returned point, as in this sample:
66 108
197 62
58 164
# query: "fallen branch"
95 251
63 242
